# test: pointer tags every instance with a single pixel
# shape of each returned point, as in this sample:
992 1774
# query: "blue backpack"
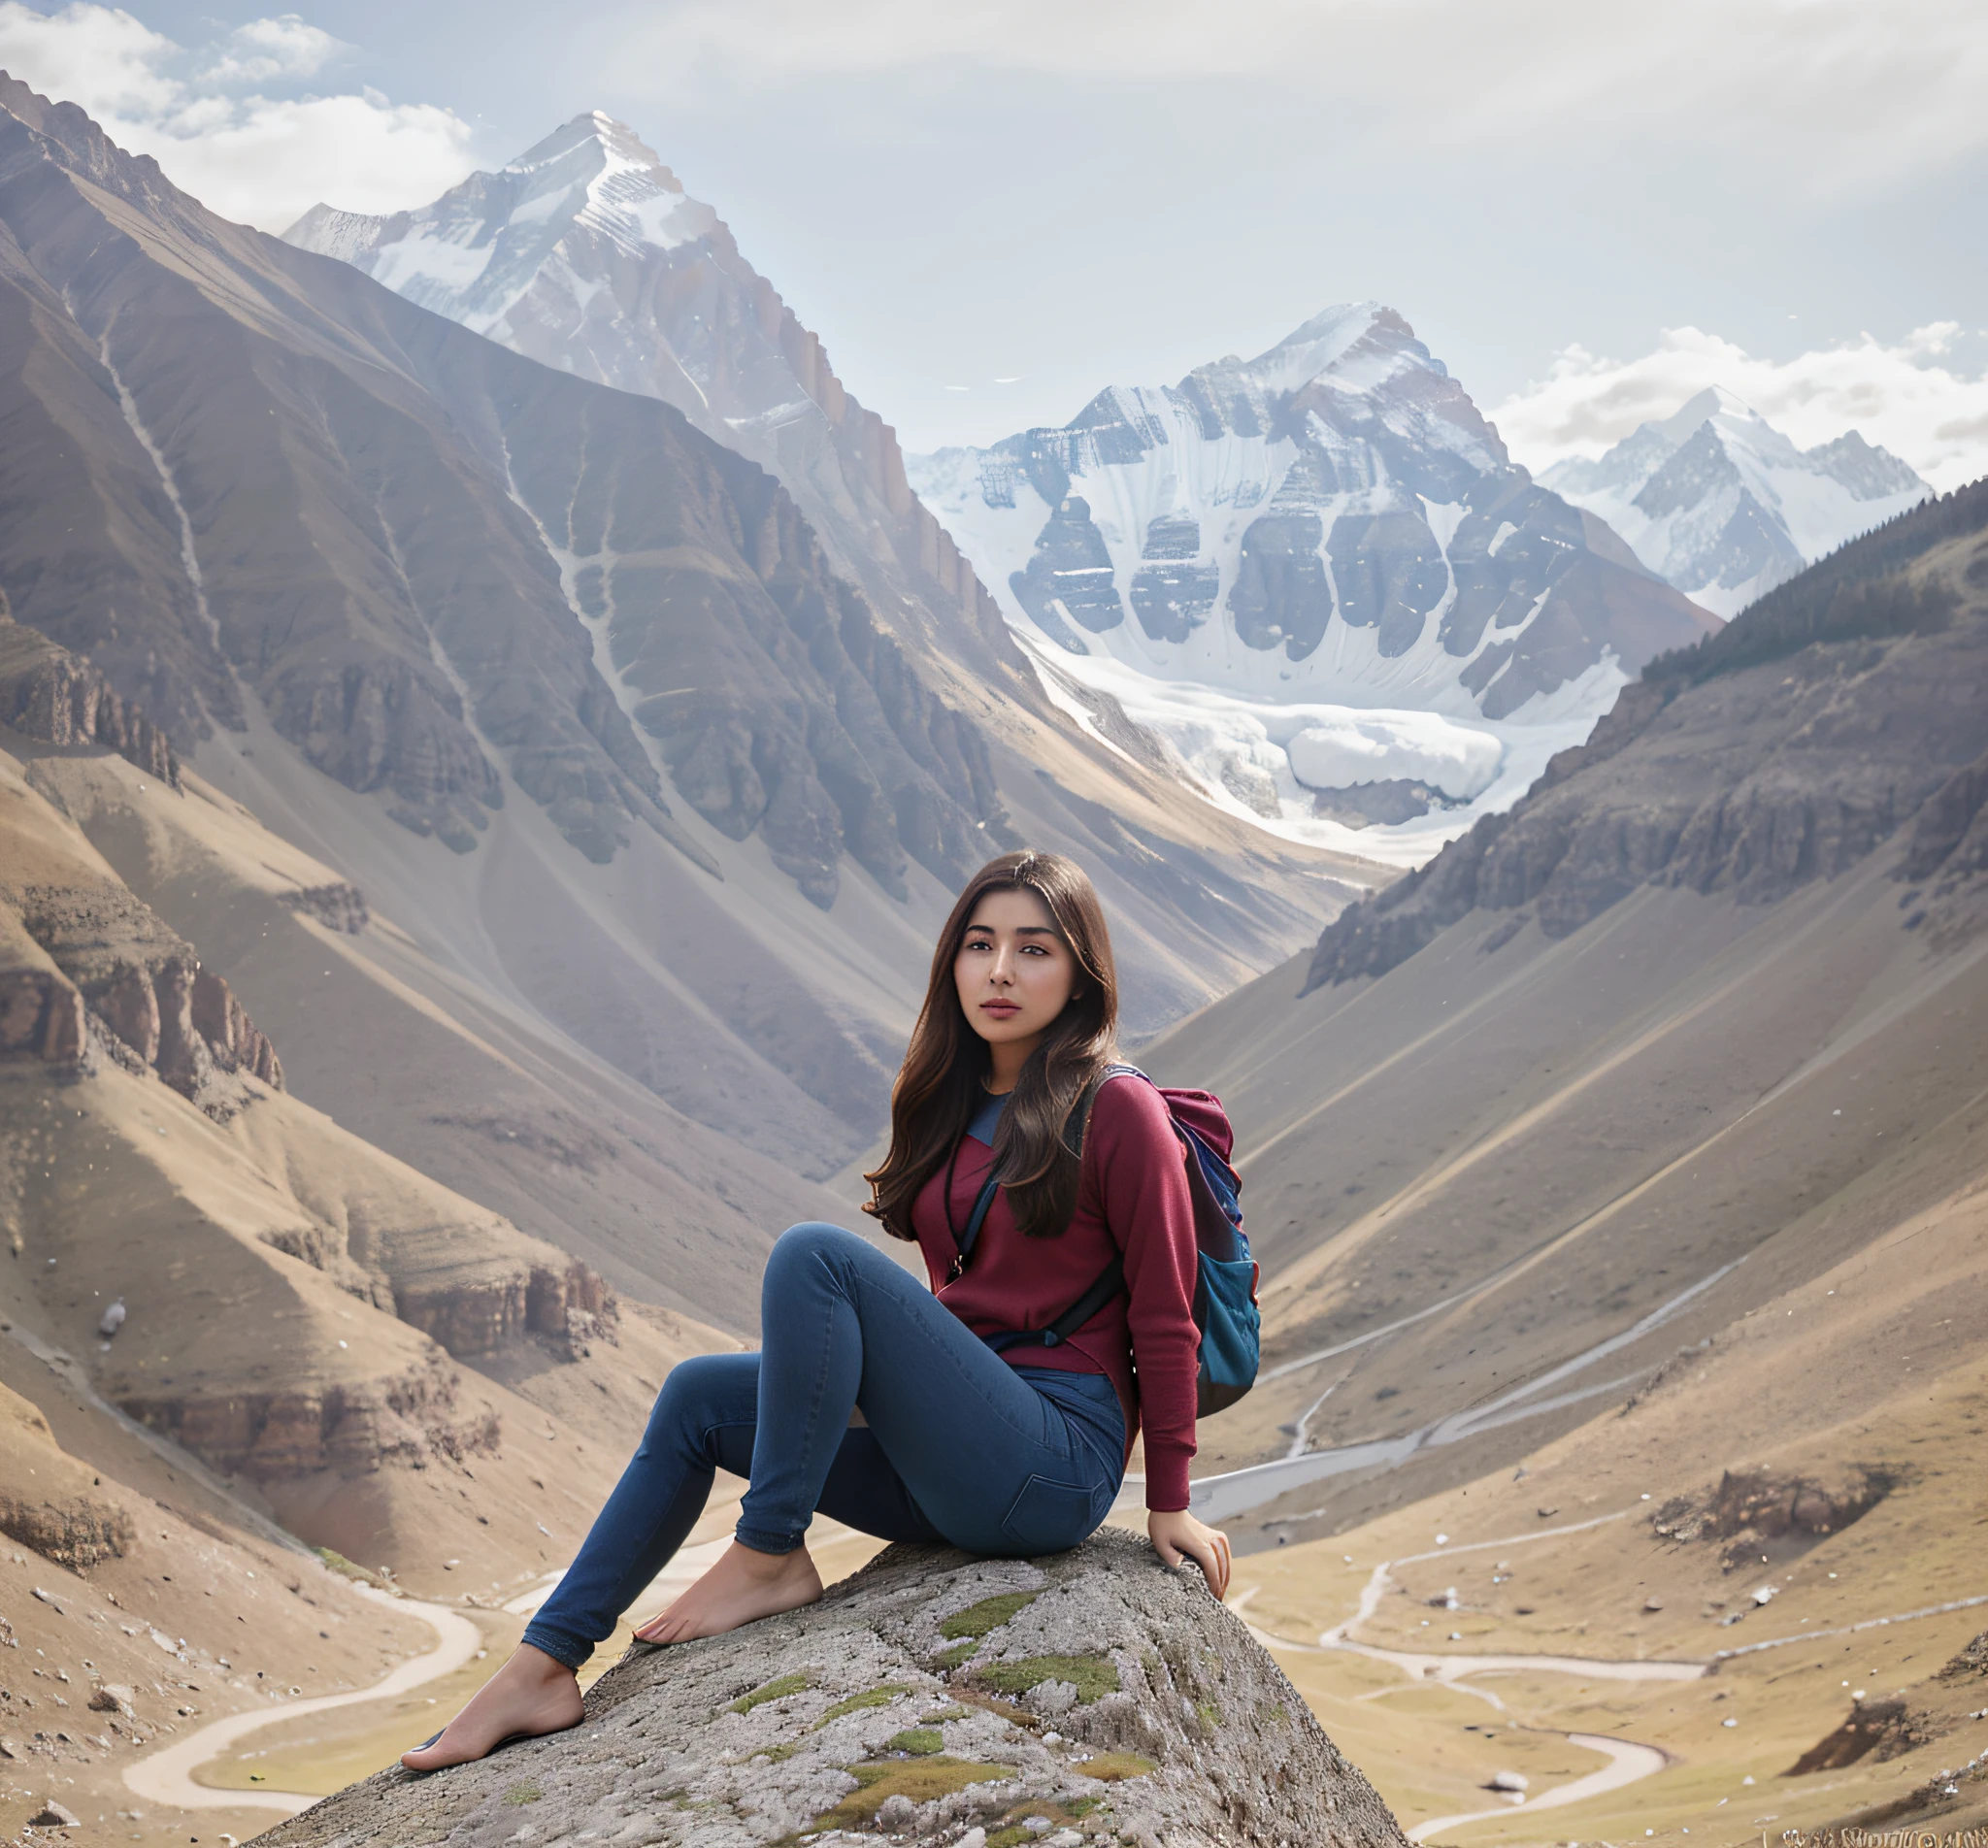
1225 1309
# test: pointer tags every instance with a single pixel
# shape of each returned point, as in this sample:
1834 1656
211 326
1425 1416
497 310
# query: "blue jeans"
958 1445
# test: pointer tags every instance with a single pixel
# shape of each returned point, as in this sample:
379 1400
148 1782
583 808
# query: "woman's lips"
1002 1007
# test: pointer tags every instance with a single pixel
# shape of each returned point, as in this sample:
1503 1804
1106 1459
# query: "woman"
878 1403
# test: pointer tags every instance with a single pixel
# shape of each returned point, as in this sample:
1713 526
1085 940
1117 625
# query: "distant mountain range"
1720 503
1318 573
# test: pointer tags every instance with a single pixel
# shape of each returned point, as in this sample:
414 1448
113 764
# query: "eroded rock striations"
1090 1698
49 695
142 983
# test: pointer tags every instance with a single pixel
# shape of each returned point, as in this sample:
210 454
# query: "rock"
113 1696
51 696
1511 1781
12 1748
74 1530
1182 1732
1889 1728
52 1815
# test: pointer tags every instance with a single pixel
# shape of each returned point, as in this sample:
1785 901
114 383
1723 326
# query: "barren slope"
1535 1155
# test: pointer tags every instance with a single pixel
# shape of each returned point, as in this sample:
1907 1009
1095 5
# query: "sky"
989 210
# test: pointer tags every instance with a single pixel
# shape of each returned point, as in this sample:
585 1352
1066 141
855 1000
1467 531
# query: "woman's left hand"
1179 1535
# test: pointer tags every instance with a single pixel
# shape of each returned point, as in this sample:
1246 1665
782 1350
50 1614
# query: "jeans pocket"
1052 1517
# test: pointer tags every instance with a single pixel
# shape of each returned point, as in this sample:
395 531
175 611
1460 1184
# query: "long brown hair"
938 1088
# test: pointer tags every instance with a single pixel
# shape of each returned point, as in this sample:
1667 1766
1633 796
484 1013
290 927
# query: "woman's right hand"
1178 1536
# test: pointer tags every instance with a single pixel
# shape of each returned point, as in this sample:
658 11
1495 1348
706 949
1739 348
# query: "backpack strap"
1079 1120
968 1238
1110 1281
1078 1124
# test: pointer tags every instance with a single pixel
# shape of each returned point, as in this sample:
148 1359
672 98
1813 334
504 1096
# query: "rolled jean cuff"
761 1539
570 1652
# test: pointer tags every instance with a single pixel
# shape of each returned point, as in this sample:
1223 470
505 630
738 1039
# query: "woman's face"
1013 972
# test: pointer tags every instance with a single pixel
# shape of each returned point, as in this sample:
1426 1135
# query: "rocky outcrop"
46 694
141 981
1842 707
1757 1512
1888 1728
564 1308
337 905
934 1698
350 1427
41 1016
78 1533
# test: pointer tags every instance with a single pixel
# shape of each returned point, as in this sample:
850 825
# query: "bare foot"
741 1586
531 1694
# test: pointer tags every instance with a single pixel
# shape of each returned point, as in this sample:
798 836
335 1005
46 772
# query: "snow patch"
1368 748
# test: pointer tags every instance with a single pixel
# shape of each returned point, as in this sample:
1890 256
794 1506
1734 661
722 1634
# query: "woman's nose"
1003 970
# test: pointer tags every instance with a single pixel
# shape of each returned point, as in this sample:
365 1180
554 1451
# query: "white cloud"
1830 93
1911 398
208 119
267 49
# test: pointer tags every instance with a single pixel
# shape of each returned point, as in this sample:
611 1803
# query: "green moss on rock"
877 1696
1092 1677
924 1780
990 1613
772 1690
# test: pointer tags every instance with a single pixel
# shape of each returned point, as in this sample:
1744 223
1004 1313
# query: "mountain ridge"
1720 503
586 254
1673 816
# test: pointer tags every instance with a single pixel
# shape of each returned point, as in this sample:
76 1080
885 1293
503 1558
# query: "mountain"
1718 501
1318 574
305 1316
1621 1184
1702 1016
586 255
570 692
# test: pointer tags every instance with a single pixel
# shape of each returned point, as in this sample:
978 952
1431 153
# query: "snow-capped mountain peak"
1317 573
480 248
1724 506
586 255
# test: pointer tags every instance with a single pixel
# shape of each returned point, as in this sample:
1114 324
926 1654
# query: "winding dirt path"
165 1777
1628 1761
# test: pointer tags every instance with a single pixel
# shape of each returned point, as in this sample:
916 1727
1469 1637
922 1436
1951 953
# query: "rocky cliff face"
144 985
1844 706
934 1698
46 694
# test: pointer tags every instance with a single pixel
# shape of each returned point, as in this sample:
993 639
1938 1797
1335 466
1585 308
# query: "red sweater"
1132 1198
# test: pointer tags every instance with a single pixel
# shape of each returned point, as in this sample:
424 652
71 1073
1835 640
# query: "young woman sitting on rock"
876 1401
